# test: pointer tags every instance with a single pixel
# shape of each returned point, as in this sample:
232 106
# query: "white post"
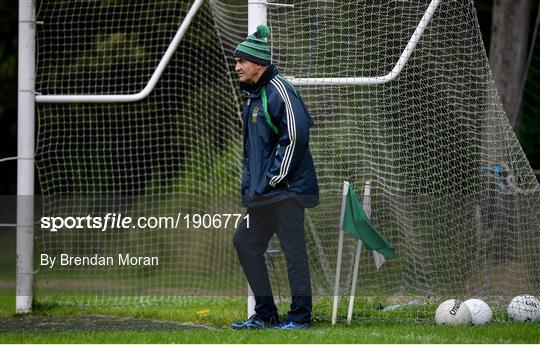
250 303
25 153
366 202
256 15
354 280
366 205
339 253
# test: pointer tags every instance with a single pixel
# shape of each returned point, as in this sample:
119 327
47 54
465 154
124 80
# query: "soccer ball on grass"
453 312
480 311
524 308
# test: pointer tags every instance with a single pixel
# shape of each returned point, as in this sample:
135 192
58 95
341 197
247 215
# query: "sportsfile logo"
117 221
109 221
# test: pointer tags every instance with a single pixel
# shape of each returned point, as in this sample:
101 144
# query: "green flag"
357 224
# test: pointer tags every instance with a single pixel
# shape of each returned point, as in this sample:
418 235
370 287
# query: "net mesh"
451 187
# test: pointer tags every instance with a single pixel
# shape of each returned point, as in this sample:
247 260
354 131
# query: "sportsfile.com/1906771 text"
117 221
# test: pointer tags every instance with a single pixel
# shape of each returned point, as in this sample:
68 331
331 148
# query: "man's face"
248 72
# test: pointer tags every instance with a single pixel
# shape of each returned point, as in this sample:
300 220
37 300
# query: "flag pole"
339 253
355 278
250 302
366 205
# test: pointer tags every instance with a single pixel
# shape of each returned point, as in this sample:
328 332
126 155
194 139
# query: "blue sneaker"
254 322
292 325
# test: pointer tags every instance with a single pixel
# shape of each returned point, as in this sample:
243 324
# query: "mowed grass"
220 312
358 332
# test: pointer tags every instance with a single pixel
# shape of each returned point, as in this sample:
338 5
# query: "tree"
8 95
508 51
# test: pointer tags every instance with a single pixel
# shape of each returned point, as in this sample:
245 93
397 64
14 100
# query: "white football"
453 312
524 308
480 311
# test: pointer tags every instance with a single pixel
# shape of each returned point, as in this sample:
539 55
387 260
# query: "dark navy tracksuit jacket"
277 160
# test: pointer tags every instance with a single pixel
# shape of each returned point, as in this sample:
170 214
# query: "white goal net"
451 187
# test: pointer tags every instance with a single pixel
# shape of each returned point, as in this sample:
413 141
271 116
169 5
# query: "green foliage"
120 148
204 178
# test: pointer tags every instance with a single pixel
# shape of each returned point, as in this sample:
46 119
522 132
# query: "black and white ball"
480 311
453 312
524 308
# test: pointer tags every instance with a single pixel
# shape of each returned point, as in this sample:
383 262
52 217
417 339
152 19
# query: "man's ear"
261 68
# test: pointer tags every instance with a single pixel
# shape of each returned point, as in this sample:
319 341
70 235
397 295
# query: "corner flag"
355 221
357 224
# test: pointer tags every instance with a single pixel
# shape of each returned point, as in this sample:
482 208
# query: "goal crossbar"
405 55
149 86
407 52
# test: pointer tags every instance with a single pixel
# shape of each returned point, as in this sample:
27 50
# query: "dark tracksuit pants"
286 219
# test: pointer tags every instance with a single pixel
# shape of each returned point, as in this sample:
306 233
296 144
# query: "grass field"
134 324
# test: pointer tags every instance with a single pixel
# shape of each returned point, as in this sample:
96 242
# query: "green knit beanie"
255 48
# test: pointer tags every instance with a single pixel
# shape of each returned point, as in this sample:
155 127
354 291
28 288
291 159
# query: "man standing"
278 183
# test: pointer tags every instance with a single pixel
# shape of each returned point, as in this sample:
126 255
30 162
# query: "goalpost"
451 187
25 157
